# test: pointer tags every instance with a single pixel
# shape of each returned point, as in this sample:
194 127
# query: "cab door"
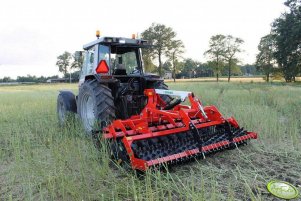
89 64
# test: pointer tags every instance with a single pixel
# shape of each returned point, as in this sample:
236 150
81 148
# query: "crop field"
41 161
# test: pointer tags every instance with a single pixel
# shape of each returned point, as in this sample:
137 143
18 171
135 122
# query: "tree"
249 69
232 47
63 62
175 51
216 52
265 59
160 36
149 66
189 67
7 79
180 67
78 60
74 76
167 66
235 69
204 70
287 33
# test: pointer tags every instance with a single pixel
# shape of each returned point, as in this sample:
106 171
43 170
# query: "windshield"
124 63
122 60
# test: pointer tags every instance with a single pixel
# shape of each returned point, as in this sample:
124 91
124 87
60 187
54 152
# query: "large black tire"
66 107
161 85
95 106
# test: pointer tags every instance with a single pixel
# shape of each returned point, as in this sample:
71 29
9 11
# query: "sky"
34 32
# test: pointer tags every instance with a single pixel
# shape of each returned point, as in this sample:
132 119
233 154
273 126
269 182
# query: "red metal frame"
170 122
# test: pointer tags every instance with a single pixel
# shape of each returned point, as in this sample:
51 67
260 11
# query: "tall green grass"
40 161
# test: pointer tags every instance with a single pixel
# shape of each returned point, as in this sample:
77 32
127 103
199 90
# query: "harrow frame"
154 121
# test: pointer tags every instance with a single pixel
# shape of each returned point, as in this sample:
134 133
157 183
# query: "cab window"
124 63
88 63
104 53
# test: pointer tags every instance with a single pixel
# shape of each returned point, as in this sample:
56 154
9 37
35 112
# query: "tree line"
279 52
28 78
167 51
222 54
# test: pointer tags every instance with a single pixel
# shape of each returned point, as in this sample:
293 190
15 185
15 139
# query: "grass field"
40 161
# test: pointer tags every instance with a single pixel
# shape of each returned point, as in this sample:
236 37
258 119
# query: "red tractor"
145 123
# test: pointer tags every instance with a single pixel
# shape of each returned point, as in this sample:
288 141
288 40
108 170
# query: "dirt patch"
247 170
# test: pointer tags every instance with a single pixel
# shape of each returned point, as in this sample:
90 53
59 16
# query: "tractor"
144 122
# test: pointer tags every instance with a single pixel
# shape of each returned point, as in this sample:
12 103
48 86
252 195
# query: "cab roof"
118 42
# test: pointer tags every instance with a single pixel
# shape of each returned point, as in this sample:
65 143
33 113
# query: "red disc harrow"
166 134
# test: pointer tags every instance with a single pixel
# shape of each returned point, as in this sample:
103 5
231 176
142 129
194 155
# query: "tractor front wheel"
66 107
95 106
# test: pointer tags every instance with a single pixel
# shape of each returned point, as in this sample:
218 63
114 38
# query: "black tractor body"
112 82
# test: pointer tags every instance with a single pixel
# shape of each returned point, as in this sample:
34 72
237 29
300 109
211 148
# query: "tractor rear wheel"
66 107
95 106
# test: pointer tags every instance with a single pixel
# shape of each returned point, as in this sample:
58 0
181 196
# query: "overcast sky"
34 32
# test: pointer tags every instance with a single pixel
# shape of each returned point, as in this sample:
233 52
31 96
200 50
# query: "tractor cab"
114 58
116 63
